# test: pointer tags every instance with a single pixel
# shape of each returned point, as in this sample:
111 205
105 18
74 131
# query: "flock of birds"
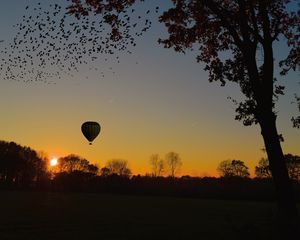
49 43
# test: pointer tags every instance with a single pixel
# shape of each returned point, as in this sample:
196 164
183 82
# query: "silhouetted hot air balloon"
90 130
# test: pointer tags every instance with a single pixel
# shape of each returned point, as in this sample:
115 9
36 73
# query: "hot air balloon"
90 130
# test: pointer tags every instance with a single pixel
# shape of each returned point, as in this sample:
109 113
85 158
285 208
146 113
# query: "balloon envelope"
90 130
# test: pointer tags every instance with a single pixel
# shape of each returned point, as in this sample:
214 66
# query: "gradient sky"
154 101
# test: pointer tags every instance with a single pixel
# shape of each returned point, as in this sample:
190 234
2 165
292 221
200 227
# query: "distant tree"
20 165
225 169
173 162
91 168
233 168
296 120
292 162
118 167
157 165
73 163
104 172
43 156
262 170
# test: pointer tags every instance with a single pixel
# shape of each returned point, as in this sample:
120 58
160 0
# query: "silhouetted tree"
91 168
173 163
73 163
262 170
293 165
104 172
20 165
292 162
296 120
157 165
118 167
233 168
242 28
225 169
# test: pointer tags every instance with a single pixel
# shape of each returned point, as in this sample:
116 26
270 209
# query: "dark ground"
40 215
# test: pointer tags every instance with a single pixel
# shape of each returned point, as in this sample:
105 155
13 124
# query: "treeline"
23 168
237 168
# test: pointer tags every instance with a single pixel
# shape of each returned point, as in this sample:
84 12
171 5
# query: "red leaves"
77 9
111 19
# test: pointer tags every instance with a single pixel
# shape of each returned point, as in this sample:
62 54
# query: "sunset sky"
153 101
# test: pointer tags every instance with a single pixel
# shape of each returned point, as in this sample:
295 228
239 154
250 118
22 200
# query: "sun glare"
53 162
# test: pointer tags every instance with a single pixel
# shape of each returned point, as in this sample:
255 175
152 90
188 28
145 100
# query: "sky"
153 101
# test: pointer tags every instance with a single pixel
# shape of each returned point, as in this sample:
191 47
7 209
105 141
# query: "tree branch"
221 13
255 31
276 31
244 28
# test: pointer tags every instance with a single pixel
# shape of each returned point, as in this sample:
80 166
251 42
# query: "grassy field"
34 215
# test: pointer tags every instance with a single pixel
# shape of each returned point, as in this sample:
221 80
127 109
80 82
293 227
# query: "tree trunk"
283 186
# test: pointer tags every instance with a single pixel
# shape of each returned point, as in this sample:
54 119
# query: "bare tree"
173 162
225 169
157 164
119 167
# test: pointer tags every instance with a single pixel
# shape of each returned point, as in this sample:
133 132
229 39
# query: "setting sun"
53 162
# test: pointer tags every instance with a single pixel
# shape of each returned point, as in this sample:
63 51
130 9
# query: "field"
40 215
